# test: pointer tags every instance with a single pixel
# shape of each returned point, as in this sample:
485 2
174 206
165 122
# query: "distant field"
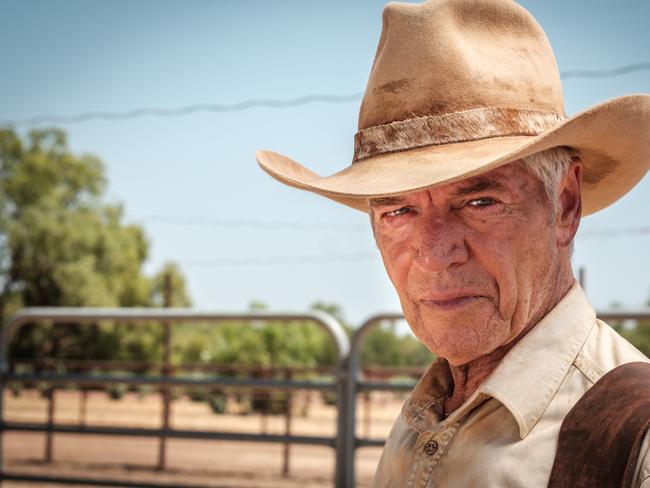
213 463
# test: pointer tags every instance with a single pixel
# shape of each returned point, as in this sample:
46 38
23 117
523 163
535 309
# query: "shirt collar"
527 377
530 373
424 406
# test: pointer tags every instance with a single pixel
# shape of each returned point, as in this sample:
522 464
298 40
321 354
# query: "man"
475 182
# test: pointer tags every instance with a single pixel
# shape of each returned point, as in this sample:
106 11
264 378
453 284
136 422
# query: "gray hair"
549 167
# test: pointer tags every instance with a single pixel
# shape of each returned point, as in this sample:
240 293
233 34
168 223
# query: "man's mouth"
451 303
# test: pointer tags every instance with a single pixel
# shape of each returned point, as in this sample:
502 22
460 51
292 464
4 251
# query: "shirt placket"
429 450
432 445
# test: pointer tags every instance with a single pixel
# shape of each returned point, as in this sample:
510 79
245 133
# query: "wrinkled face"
473 262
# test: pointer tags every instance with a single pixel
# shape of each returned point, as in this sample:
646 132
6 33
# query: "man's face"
472 262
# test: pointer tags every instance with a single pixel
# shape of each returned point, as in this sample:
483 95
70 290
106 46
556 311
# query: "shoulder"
604 350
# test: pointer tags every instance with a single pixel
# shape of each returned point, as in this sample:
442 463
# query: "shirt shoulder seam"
588 367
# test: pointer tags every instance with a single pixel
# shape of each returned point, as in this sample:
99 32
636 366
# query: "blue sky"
69 57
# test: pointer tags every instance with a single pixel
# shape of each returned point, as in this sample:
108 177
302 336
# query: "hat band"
465 126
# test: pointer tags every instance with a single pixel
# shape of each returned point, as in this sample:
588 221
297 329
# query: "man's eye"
481 202
397 212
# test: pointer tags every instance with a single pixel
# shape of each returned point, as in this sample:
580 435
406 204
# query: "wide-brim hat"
459 87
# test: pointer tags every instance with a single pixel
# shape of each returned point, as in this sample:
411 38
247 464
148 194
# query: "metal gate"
139 316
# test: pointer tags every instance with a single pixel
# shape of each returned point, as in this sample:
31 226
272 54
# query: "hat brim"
612 139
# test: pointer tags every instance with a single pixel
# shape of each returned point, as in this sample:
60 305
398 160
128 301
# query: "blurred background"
127 178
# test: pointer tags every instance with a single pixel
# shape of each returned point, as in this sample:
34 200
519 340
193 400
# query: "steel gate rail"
139 315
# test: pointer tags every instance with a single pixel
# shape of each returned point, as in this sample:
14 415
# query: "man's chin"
459 332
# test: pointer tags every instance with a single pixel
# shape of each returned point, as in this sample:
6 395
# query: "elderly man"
475 182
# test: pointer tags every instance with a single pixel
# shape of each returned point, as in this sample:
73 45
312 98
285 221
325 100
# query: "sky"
192 181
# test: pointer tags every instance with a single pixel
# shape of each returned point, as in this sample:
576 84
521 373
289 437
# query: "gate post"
344 434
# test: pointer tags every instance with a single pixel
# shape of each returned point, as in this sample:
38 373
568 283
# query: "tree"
637 333
172 276
384 347
61 245
381 347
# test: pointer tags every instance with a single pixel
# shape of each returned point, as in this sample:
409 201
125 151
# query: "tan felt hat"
459 87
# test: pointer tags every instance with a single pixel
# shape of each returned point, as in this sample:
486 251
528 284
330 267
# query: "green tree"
61 245
260 343
381 347
637 333
169 276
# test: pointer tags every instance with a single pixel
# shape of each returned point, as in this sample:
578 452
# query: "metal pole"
50 423
366 414
83 405
287 430
263 421
343 441
166 372
2 394
345 478
263 399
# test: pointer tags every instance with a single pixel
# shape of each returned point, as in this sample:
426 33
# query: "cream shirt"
506 433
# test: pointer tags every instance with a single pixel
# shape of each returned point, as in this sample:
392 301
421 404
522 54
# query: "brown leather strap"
601 436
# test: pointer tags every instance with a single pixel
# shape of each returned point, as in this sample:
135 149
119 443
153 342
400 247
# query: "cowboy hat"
459 87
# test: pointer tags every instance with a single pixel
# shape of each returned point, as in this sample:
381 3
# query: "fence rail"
347 383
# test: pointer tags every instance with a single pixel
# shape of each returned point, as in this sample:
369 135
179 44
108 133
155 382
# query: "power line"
279 260
264 102
181 111
606 73
250 223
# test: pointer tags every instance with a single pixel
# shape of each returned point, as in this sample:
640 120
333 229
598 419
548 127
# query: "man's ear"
569 203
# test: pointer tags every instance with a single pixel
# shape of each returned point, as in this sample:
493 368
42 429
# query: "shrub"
217 402
116 391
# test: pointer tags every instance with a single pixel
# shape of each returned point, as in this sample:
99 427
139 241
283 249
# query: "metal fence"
139 316
347 384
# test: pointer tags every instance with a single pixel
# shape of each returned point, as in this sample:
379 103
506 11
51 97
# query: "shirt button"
430 448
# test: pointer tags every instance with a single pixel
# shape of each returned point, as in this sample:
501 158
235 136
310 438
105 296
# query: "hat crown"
447 56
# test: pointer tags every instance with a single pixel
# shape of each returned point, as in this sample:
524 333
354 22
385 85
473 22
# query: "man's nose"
441 243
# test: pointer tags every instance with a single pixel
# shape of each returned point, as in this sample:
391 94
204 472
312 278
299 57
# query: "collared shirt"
506 433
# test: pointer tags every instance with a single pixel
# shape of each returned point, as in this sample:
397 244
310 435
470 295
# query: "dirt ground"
212 463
